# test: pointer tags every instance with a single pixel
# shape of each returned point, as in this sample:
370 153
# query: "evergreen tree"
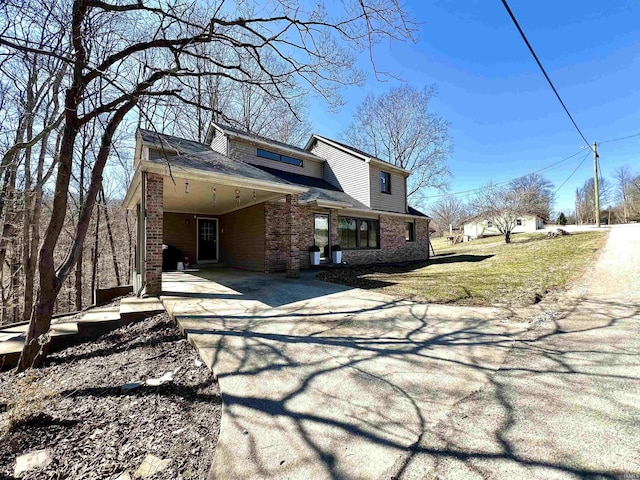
562 220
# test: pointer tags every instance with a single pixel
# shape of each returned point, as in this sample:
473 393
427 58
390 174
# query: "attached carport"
208 186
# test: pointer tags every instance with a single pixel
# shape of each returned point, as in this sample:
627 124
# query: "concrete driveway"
324 381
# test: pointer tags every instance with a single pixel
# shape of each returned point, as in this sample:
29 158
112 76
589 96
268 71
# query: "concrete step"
134 309
93 324
98 321
12 339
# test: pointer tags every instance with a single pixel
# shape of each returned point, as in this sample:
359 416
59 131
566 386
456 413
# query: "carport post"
153 221
291 232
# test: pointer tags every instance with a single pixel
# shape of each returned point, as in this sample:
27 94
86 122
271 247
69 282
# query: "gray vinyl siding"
248 153
393 202
345 171
219 143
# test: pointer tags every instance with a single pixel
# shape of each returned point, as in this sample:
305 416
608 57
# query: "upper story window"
519 222
385 182
279 158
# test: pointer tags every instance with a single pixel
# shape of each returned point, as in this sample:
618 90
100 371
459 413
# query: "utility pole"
596 187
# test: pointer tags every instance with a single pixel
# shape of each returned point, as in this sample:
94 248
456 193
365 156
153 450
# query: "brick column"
291 231
153 234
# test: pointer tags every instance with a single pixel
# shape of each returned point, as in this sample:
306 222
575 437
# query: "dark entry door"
207 240
321 232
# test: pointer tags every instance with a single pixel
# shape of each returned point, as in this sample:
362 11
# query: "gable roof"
355 152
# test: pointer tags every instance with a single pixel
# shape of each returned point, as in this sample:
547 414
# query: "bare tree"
537 193
119 53
400 127
624 187
449 210
504 205
585 199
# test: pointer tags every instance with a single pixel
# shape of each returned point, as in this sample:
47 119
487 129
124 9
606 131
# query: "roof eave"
365 158
222 179
327 204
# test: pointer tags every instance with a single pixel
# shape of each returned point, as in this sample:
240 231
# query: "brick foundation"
153 233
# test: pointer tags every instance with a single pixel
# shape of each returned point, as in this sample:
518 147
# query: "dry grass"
27 403
485 271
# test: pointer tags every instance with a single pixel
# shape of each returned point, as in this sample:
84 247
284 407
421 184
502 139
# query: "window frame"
385 182
411 230
279 157
375 230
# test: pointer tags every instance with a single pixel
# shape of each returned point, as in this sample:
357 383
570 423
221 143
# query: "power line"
620 138
453 194
524 37
572 173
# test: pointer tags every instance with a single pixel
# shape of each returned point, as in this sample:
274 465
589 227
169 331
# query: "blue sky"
505 119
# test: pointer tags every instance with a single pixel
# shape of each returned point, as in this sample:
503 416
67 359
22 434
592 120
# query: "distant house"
258 204
478 227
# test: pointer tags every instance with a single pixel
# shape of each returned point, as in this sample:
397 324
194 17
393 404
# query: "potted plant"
314 255
336 254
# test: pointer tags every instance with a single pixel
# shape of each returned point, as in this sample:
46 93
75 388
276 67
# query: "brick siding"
154 228
394 247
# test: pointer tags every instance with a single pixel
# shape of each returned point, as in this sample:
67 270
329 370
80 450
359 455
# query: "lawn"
484 272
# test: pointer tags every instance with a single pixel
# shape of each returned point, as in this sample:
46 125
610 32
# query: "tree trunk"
507 237
110 235
94 259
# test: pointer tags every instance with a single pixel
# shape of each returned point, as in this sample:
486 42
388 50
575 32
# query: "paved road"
566 402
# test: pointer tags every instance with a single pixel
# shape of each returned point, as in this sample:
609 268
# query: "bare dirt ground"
75 406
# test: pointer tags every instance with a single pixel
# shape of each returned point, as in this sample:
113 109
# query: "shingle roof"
217 163
319 189
413 211
181 144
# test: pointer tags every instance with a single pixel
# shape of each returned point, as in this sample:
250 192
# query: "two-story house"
258 204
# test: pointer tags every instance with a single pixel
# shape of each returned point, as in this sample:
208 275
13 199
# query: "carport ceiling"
200 198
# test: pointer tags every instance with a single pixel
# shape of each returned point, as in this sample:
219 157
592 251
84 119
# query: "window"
347 232
519 222
354 233
385 182
279 158
410 232
489 224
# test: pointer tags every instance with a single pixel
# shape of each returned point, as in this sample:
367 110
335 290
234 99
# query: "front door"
321 232
207 240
